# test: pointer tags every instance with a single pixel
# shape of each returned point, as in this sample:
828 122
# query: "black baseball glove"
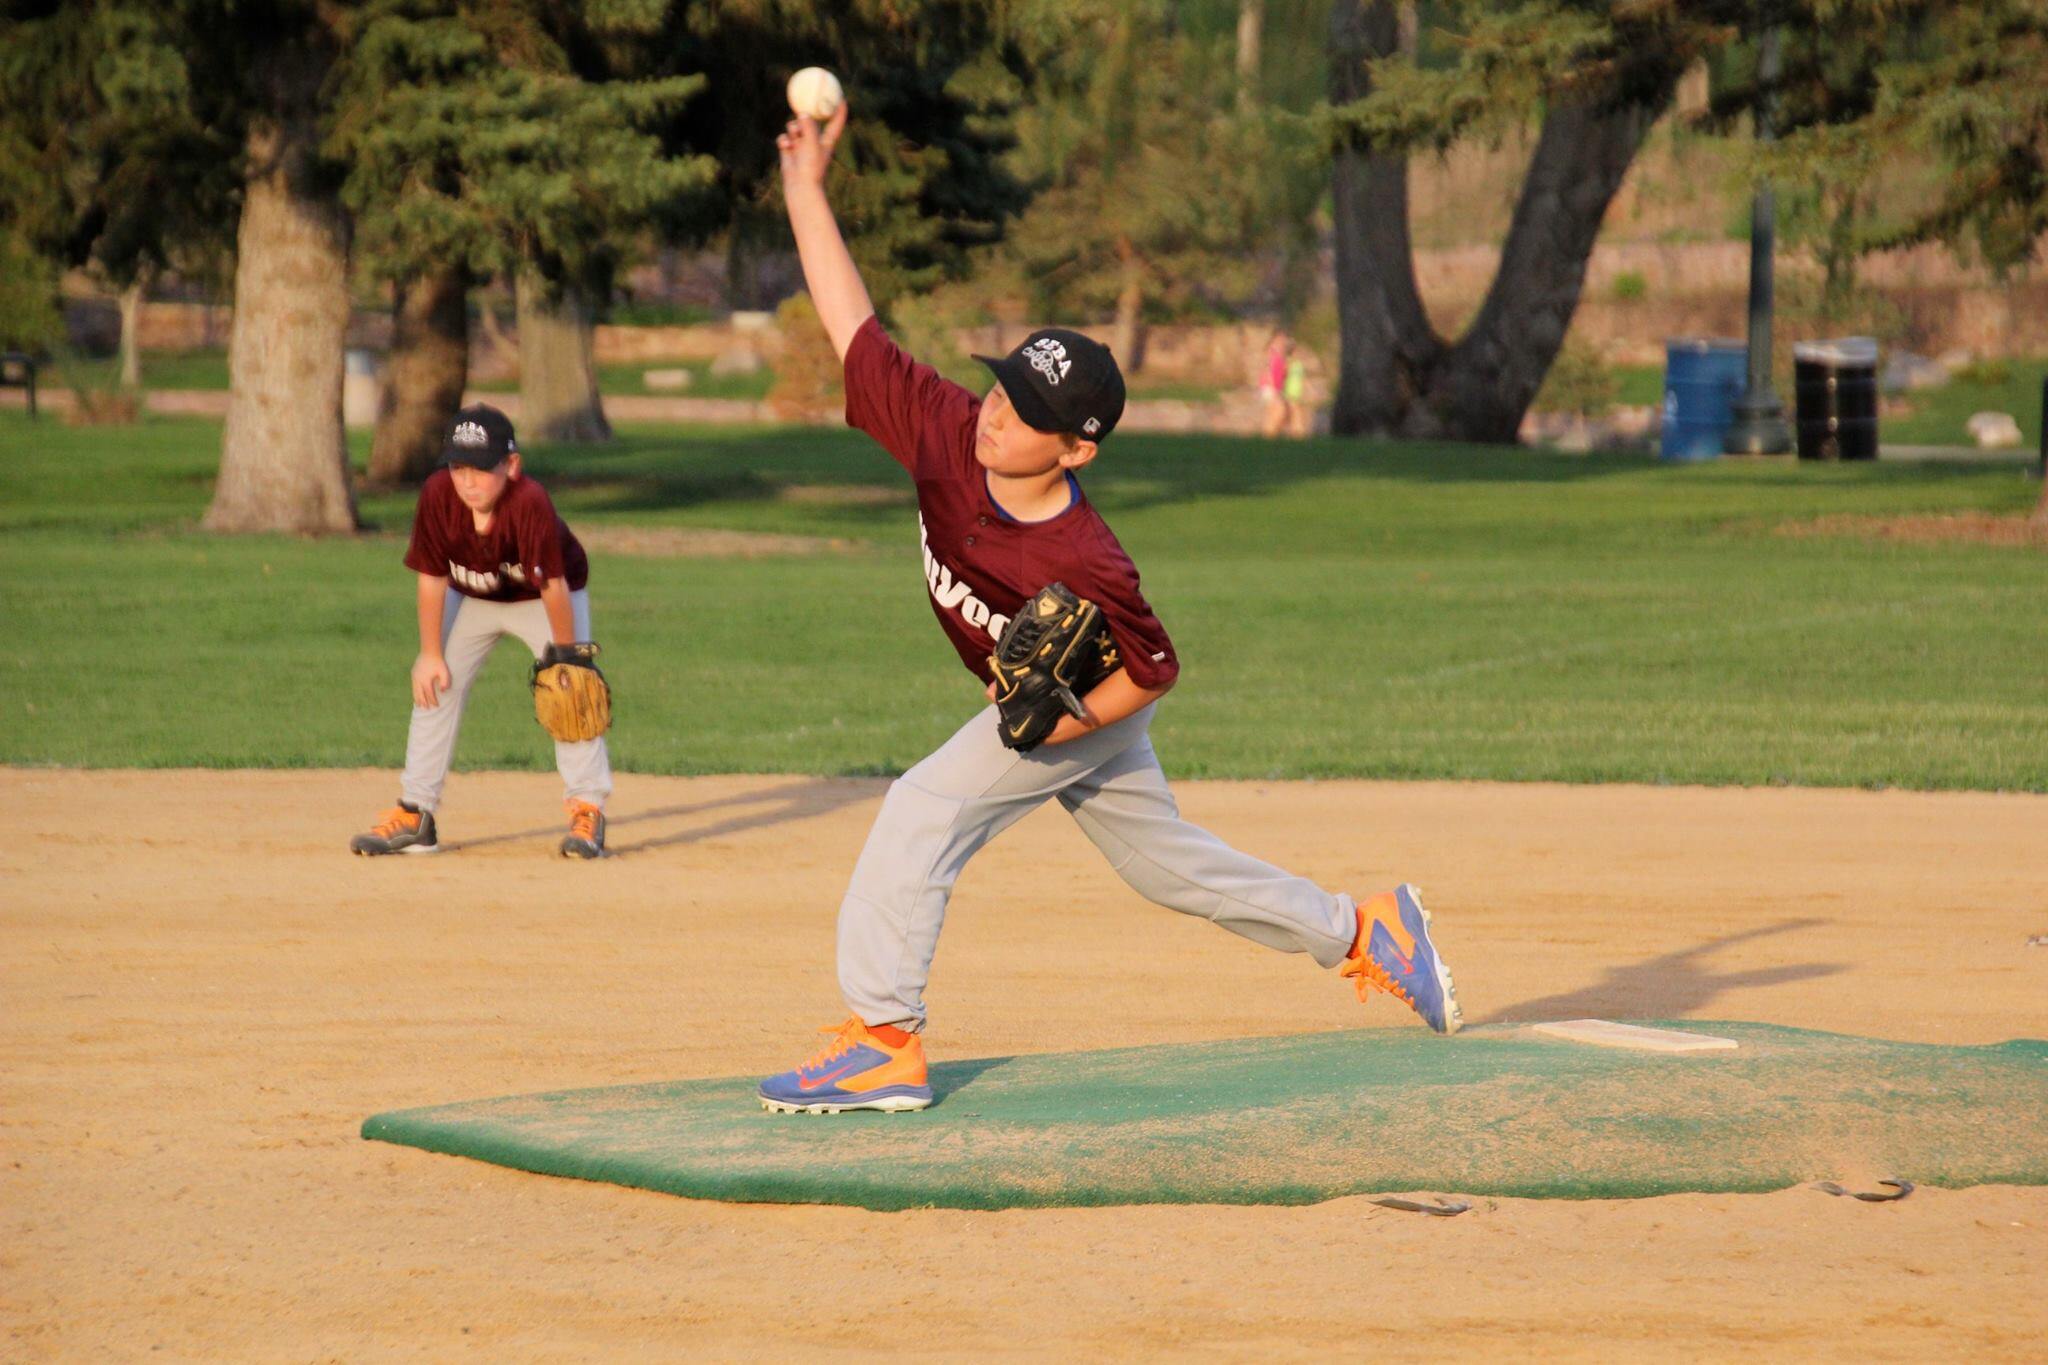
1053 652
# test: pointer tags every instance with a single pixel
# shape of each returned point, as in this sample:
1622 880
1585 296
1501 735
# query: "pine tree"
1165 181
476 149
104 163
174 98
920 180
1956 93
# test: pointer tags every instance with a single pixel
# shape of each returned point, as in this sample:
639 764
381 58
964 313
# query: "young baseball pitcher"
495 559
1014 555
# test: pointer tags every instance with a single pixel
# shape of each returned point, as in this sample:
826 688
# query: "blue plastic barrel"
1703 376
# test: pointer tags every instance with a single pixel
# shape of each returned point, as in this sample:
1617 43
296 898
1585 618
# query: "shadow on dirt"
749 810
1668 986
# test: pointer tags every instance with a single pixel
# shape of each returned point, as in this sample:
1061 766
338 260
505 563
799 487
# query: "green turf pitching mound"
1498 1110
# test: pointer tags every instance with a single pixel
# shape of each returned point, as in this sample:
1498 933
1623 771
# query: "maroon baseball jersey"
981 564
528 543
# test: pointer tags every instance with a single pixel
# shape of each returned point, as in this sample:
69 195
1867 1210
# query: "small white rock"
1993 430
668 381
736 360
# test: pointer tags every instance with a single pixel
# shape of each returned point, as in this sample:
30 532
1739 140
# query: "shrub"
103 408
29 320
1988 373
928 326
1579 383
97 397
809 381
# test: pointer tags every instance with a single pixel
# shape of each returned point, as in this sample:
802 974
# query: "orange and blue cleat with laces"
856 1070
1401 959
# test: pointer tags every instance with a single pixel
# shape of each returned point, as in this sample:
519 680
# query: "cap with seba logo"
480 437
1062 381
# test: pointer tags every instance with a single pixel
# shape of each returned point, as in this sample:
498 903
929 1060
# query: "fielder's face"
480 489
1006 445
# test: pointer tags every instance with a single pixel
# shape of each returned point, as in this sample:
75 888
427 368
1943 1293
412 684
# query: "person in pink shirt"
1276 413
1002 513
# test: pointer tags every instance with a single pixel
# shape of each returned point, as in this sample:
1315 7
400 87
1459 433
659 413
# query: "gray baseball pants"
470 628
939 813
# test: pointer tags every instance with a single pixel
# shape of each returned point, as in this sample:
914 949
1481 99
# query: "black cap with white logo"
1064 382
480 437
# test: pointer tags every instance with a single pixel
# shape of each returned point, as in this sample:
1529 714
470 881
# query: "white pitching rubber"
1606 1033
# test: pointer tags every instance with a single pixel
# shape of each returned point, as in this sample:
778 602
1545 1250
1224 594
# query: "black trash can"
1835 383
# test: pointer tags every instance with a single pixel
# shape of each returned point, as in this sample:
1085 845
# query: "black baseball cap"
1063 382
480 437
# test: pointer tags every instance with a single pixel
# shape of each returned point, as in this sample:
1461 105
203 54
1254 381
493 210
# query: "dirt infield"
204 995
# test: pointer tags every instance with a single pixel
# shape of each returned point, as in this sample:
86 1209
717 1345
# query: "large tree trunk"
1395 376
1487 381
558 399
1386 343
1251 25
131 316
284 464
423 381
1127 339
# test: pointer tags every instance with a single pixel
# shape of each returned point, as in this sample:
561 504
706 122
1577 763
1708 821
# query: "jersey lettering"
950 592
954 594
484 583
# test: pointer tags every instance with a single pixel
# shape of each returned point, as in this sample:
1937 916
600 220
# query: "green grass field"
1342 609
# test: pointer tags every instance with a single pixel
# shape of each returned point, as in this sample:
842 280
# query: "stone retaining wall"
1636 295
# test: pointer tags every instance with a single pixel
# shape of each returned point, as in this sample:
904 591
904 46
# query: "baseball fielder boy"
494 559
1003 516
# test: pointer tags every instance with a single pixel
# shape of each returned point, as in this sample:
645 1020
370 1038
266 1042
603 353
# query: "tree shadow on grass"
651 470
1669 986
775 806
820 481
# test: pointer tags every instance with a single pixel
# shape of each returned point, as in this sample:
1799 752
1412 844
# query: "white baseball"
814 92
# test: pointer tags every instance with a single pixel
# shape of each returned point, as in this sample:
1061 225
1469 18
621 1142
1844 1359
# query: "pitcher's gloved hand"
1053 653
571 699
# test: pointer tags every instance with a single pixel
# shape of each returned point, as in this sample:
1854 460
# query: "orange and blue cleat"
856 1070
1400 958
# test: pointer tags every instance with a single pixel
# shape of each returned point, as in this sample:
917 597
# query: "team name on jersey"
951 592
483 584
